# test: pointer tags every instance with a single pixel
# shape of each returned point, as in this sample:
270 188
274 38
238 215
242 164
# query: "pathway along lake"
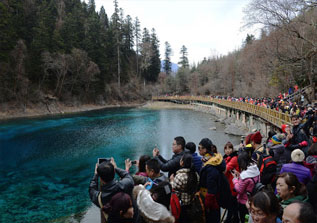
46 163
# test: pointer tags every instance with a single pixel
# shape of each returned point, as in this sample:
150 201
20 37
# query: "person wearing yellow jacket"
213 165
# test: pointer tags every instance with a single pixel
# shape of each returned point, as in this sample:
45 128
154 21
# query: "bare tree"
56 64
17 64
296 20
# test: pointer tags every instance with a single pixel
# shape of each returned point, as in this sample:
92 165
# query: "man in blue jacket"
196 159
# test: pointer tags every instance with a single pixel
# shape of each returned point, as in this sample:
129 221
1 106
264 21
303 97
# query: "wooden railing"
272 116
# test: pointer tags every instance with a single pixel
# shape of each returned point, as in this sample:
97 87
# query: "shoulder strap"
249 193
101 205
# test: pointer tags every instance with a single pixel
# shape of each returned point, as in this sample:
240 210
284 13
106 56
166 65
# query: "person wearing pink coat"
245 182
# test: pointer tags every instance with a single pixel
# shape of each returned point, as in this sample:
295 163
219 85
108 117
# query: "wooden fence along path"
276 118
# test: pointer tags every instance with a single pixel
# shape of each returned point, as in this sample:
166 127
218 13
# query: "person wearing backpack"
185 184
267 166
245 181
280 154
210 176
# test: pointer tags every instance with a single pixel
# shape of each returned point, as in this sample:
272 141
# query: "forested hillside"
284 55
66 50
70 52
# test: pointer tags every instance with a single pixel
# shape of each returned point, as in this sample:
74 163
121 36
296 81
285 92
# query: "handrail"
276 118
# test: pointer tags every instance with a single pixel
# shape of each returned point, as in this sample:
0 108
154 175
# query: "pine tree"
103 18
128 35
183 59
43 36
116 27
167 59
91 7
137 42
146 54
155 66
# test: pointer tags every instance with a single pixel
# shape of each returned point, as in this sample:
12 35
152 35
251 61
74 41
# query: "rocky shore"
233 127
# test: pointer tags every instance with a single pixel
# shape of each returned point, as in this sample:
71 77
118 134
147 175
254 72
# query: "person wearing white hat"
297 167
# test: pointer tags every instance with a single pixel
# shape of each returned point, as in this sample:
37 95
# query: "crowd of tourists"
279 104
263 181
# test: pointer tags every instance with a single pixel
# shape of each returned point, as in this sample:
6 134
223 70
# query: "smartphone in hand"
133 162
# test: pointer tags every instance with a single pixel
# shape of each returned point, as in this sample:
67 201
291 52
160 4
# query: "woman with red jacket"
231 159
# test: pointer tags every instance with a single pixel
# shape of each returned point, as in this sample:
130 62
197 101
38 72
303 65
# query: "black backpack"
258 186
197 210
225 199
267 166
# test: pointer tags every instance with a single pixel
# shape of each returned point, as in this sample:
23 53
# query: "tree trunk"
118 52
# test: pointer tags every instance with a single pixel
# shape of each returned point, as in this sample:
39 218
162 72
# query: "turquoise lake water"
46 163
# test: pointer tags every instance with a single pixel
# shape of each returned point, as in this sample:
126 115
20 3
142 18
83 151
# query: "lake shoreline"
37 111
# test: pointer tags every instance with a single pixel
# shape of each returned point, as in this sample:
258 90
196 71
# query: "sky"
206 27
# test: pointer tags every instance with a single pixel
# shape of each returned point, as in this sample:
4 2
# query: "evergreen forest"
69 51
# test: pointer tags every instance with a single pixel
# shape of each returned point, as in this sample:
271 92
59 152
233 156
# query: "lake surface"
46 163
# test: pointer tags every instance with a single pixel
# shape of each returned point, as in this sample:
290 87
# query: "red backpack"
175 206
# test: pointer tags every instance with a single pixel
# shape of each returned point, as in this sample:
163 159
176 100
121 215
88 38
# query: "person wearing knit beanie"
298 156
256 138
277 139
248 139
297 167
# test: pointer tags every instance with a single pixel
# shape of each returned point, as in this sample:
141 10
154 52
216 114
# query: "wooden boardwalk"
274 117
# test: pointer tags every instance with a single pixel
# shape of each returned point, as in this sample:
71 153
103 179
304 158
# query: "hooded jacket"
209 177
149 210
245 184
302 173
231 163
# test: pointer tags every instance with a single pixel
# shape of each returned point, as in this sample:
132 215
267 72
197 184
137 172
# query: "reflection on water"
46 164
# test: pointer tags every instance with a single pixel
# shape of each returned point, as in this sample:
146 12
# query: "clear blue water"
46 163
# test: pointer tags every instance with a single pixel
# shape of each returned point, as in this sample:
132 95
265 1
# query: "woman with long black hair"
185 184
